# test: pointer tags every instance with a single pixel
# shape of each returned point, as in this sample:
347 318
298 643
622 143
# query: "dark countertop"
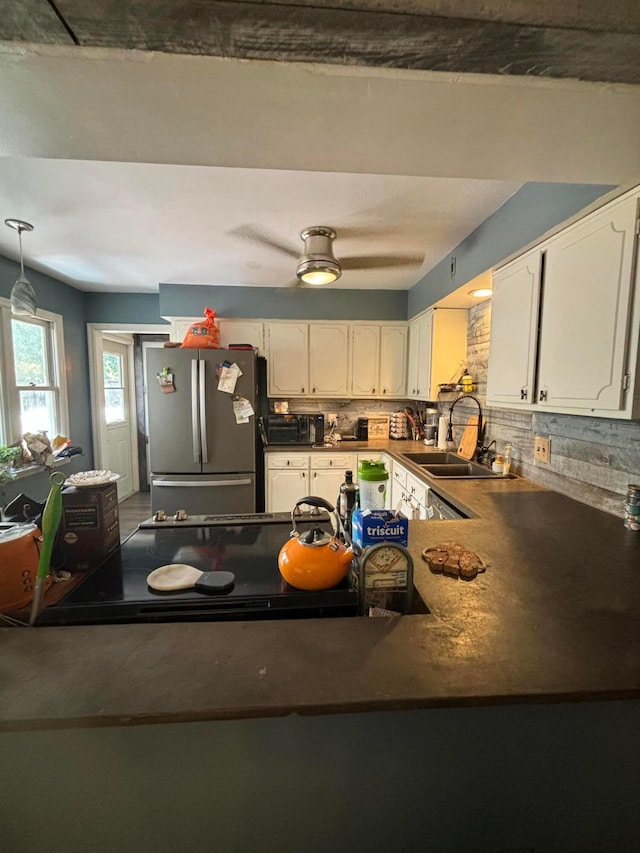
556 617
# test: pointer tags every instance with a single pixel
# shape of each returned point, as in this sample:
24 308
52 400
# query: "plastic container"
498 464
506 457
373 482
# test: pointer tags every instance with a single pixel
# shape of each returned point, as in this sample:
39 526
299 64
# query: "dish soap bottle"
466 382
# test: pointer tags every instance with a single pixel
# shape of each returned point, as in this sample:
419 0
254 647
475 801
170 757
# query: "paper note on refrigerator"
242 409
228 378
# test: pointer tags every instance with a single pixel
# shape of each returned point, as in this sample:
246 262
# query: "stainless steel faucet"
479 428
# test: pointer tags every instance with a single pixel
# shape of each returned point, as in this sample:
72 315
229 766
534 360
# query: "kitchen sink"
452 466
469 470
435 458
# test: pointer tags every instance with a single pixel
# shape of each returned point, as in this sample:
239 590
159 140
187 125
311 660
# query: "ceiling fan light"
316 271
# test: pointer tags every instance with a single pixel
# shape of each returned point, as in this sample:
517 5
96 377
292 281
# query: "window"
114 399
32 386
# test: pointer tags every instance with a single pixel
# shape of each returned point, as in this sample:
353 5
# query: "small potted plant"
8 456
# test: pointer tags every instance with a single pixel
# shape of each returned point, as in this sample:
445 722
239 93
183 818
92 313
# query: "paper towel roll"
442 433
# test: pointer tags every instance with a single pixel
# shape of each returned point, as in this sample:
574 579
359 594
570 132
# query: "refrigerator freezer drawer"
209 494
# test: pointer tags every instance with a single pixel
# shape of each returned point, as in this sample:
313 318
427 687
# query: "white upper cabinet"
365 360
564 329
393 360
288 359
585 307
437 350
329 359
378 360
514 325
242 332
308 359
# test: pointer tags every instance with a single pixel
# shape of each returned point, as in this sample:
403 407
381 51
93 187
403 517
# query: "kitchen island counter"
555 617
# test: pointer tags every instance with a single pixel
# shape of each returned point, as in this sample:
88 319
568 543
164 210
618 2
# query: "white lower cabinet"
409 493
291 476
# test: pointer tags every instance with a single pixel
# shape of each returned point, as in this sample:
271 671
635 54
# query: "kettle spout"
347 556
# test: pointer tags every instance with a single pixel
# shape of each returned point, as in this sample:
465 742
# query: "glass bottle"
347 500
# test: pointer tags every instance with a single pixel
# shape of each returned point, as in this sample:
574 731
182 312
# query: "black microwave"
295 429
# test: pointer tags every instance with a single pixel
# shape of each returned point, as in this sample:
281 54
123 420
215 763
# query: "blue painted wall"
528 214
53 295
184 300
123 308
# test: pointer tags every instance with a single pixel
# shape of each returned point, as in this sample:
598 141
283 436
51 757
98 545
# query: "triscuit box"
378 426
371 526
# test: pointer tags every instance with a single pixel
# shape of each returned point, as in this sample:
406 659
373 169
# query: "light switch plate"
541 449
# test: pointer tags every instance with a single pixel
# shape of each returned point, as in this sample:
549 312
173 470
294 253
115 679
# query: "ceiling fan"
317 264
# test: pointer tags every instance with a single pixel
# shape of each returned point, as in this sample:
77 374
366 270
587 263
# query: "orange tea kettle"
314 559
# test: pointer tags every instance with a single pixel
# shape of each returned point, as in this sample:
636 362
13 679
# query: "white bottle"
442 434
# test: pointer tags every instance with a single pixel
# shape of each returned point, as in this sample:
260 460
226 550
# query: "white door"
117 454
425 333
326 483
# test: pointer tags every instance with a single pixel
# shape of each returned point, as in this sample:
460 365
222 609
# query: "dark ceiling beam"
371 36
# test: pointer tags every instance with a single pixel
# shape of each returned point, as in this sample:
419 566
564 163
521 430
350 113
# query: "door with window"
117 453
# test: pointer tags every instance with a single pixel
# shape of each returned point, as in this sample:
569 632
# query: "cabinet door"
325 483
393 361
288 359
514 327
412 358
329 359
423 375
585 309
241 332
365 361
285 488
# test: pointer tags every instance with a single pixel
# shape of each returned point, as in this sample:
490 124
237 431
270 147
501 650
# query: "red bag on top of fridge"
203 335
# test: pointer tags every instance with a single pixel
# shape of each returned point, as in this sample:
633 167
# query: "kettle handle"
321 503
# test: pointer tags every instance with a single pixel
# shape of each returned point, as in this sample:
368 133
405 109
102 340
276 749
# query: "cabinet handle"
302 390
313 390
523 393
373 390
543 396
288 462
304 474
384 390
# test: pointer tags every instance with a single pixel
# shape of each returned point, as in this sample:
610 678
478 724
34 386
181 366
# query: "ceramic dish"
90 479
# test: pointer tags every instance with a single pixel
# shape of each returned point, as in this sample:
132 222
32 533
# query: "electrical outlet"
542 449
332 418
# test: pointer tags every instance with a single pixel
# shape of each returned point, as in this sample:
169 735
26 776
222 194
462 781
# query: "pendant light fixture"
23 297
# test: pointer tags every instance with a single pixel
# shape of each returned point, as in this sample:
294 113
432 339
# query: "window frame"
10 425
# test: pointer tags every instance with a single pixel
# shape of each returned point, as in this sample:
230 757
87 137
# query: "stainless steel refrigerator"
202 460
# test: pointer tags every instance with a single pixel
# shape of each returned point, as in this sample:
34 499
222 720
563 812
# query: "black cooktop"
117 592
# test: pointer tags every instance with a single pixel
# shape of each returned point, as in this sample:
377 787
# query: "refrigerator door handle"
194 411
199 484
203 413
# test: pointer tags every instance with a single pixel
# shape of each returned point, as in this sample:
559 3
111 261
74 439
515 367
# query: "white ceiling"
140 168
129 226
